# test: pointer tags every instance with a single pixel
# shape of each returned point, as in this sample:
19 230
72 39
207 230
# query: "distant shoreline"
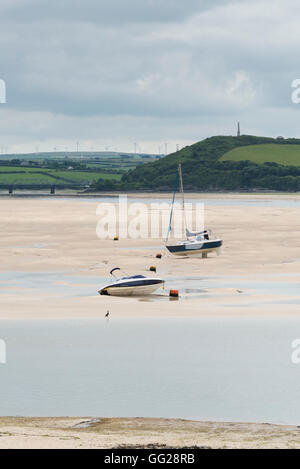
154 195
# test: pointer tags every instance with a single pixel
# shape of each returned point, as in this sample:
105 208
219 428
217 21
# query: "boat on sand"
134 285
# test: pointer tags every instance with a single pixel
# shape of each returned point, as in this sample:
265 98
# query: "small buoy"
152 268
158 256
174 293
116 238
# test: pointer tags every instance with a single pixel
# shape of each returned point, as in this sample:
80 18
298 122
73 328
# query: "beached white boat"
196 244
137 285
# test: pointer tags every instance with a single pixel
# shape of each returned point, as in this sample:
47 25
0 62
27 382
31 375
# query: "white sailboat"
196 244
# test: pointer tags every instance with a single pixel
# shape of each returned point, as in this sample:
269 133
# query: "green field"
73 171
288 155
44 176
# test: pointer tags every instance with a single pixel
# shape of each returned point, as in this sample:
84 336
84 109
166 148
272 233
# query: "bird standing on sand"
107 314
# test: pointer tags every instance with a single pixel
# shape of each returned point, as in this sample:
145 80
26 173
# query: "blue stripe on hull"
138 283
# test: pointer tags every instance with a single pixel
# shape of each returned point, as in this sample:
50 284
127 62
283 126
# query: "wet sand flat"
58 237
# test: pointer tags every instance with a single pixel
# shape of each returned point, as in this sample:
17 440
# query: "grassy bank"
288 155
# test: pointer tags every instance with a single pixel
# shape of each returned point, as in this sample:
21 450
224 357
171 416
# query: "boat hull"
131 290
195 249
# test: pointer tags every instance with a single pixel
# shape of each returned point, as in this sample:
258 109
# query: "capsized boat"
137 285
197 243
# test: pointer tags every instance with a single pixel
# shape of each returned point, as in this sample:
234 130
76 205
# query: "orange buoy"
116 238
174 293
158 256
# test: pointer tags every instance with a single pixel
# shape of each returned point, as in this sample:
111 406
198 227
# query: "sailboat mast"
172 206
182 194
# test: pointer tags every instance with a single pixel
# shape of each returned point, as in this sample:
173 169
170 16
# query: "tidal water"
68 285
246 202
213 368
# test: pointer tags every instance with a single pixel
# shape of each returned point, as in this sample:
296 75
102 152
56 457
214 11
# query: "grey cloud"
111 71
148 64
103 11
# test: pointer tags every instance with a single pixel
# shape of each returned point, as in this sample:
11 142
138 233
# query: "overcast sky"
108 73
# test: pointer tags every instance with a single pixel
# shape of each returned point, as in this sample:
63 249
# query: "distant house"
70 168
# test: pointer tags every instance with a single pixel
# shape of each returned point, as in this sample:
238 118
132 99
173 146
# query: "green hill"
221 163
282 154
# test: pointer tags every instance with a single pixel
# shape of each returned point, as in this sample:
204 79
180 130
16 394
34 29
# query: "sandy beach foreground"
80 433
